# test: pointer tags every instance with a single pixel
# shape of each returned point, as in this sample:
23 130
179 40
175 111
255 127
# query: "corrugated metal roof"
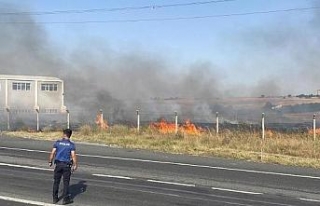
28 77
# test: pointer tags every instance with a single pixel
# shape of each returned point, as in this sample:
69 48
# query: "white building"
30 93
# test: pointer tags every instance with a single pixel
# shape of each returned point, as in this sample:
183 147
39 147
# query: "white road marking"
12 199
172 183
22 149
24 166
113 176
178 164
203 166
159 193
309 200
237 191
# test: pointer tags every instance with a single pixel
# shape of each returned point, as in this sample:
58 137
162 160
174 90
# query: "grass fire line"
287 148
165 127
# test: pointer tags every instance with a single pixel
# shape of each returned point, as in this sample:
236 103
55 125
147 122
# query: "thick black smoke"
24 47
99 78
282 58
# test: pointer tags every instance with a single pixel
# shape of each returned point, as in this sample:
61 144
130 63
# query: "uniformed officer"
65 159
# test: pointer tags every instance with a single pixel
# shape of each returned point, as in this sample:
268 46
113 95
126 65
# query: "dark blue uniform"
63 164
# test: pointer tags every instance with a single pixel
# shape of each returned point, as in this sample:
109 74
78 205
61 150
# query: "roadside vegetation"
295 149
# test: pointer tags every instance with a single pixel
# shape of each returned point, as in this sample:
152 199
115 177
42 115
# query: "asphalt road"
123 177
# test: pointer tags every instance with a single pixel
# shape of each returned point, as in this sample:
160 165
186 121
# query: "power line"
114 9
170 18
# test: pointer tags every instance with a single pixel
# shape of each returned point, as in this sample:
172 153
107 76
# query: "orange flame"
165 127
189 128
101 122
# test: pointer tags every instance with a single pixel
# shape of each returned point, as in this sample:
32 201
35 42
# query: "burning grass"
298 149
165 127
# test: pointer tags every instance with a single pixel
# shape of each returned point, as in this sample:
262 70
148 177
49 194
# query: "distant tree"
302 96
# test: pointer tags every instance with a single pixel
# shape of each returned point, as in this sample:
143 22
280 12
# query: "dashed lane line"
172 183
24 166
29 202
236 191
113 176
309 200
148 180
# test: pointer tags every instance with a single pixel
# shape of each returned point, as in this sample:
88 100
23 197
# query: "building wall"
50 99
31 92
20 99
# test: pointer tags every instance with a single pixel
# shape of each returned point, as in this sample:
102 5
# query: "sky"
165 48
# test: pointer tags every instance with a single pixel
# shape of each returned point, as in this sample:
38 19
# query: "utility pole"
138 120
176 122
8 118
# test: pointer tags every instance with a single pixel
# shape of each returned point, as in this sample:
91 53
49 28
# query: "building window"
23 86
49 87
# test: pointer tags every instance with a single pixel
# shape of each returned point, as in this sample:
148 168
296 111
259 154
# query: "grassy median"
296 149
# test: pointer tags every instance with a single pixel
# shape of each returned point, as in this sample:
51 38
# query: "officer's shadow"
76 189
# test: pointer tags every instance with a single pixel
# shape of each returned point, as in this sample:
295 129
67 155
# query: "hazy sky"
243 47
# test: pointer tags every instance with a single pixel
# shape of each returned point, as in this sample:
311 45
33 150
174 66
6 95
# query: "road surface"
121 177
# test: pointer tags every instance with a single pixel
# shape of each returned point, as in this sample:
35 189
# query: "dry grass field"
297 149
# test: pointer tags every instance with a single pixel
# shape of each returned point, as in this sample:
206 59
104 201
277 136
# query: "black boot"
67 200
55 200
